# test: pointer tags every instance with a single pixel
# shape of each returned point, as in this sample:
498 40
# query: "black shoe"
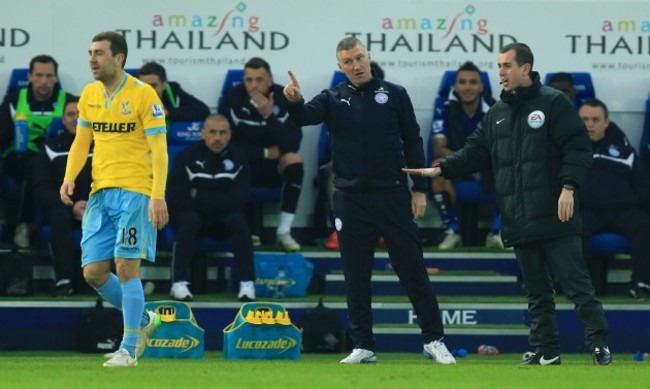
640 291
63 290
541 359
602 356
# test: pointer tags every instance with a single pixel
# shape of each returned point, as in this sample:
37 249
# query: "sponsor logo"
184 343
167 313
283 344
536 119
157 111
347 101
113 127
500 120
544 361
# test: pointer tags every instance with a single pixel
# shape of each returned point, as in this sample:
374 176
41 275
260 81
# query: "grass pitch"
74 370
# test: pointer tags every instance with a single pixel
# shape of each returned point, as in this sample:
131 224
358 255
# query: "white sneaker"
360 355
287 243
451 240
437 351
21 235
180 291
121 358
246 291
145 333
493 241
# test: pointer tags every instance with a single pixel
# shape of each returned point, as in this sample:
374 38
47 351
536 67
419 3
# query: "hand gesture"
292 90
67 189
263 104
427 172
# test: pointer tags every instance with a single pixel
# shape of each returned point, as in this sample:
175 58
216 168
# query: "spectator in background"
208 187
615 197
462 115
38 104
563 82
261 127
49 171
179 105
327 182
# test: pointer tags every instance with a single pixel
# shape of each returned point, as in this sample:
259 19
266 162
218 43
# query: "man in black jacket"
615 197
374 134
208 187
257 111
49 170
540 154
179 105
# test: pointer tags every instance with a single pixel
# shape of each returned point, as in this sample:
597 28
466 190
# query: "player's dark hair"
43 58
117 43
153 68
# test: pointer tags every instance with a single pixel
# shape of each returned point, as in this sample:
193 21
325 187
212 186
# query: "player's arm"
77 158
158 214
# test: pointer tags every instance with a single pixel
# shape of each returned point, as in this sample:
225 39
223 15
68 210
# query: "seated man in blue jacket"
208 188
179 105
616 196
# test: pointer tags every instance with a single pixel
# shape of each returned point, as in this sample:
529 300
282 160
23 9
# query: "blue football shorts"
116 225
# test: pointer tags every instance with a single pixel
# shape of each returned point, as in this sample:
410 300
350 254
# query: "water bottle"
280 283
20 134
486 349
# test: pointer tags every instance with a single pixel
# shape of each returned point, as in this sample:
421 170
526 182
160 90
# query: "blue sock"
496 222
132 308
111 291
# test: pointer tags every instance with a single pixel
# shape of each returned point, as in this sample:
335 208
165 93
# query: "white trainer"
21 236
287 243
246 291
360 355
121 358
145 333
452 240
180 291
437 351
493 241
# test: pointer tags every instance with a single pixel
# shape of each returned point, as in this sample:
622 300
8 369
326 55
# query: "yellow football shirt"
119 125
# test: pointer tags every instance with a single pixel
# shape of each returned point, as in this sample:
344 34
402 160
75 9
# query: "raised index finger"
293 79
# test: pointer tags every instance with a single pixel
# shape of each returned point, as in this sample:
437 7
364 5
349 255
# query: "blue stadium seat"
233 78
583 84
132 71
609 243
20 79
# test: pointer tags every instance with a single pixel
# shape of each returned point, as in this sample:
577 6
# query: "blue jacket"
373 131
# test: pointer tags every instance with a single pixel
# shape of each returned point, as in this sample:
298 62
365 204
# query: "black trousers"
189 225
563 256
361 218
65 251
634 223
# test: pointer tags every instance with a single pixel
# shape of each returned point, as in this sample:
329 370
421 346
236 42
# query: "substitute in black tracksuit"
180 106
374 134
540 155
207 192
49 170
615 197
